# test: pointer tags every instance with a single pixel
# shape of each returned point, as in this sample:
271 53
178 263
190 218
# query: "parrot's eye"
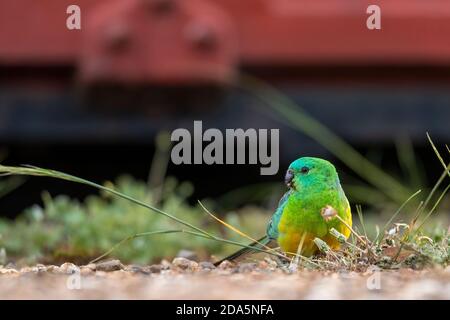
304 170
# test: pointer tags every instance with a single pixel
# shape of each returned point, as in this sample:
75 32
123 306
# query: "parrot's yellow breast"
292 233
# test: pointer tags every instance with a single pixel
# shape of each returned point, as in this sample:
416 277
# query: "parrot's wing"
272 228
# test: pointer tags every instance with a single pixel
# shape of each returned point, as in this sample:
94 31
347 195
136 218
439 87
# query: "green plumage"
314 191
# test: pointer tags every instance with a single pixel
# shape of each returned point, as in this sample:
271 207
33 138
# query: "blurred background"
100 102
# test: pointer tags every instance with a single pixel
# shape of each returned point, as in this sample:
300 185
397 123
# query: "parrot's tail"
258 244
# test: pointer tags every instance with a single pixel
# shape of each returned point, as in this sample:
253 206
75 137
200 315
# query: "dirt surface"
185 279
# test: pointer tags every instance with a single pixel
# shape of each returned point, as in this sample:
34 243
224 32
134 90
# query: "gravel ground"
186 279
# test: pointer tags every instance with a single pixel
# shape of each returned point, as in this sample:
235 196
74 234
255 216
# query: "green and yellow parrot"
307 210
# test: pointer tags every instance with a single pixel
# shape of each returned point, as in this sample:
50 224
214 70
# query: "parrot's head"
311 173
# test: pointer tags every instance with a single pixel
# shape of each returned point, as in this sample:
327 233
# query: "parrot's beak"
288 178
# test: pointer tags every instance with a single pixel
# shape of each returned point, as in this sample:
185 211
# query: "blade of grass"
361 219
436 151
158 168
293 266
424 205
416 215
366 238
446 171
434 207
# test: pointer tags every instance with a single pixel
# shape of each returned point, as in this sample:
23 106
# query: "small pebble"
185 264
226 265
25 270
40 268
68 268
53 269
247 267
165 265
272 263
91 266
8 271
108 266
155 268
86 271
137 269
11 266
206 265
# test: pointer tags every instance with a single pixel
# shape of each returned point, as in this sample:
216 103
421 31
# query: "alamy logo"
73 21
73 281
230 149
374 20
373 282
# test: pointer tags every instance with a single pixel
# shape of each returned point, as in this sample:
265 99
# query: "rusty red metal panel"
293 32
34 32
180 41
